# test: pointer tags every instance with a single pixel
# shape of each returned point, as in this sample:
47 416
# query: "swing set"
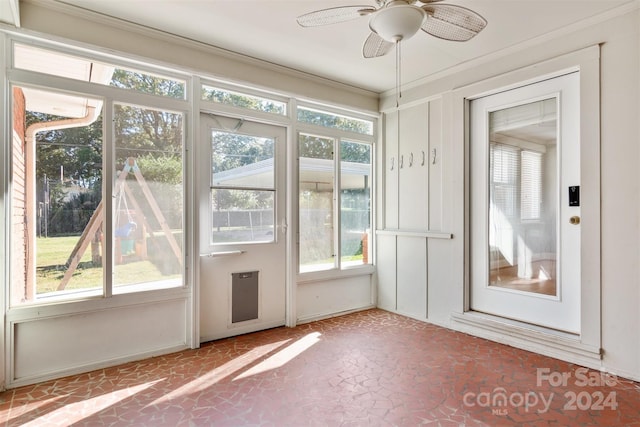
127 232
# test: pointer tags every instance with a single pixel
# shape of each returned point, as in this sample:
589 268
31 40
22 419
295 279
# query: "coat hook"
423 158
433 156
402 161
392 162
410 159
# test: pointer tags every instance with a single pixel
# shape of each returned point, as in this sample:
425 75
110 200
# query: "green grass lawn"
52 255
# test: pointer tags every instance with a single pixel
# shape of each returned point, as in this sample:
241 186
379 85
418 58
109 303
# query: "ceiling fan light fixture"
398 22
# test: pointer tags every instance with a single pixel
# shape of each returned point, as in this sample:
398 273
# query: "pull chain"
398 73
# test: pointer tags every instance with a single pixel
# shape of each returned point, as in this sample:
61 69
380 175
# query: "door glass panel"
242 216
523 197
242 161
243 194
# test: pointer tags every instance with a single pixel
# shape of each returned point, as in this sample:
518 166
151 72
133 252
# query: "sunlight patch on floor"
77 411
283 356
212 377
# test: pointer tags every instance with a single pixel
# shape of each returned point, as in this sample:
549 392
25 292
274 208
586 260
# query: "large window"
334 197
263 104
516 181
89 198
333 120
148 196
355 203
99 72
531 185
316 203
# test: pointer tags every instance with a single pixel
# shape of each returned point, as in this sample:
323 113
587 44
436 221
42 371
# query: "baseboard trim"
316 317
89 367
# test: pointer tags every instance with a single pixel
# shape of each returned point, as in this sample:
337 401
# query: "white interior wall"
39 353
618 37
327 298
94 334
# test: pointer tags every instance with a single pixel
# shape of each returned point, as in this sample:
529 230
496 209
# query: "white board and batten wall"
432 112
410 212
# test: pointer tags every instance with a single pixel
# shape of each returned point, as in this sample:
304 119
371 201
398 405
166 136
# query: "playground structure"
135 230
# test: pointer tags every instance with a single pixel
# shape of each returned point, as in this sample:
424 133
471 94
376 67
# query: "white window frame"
338 136
110 96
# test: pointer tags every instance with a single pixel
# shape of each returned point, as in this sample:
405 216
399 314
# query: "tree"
152 136
322 148
145 130
232 151
147 83
77 150
315 147
355 152
331 120
68 172
242 101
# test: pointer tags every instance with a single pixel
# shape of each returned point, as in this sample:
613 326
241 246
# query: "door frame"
559 311
281 210
586 347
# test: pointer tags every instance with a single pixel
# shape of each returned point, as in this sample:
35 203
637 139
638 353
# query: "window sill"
321 276
91 301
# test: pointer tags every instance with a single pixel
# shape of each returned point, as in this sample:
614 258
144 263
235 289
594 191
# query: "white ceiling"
267 30
10 12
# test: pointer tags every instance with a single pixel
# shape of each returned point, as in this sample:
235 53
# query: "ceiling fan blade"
333 15
375 46
455 23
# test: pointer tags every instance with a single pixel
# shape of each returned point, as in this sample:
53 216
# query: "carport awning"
10 12
316 171
71 67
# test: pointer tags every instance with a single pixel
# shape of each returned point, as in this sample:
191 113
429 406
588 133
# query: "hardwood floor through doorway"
542 280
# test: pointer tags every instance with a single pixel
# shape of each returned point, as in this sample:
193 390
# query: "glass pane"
79 68
56 198
242 161
148 199
332 120
523 183
242 216
355 203
316 203
236 99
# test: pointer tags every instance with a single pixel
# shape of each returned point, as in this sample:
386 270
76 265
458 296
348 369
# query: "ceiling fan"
395 20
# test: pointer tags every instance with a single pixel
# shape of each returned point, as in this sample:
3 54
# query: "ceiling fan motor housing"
397 21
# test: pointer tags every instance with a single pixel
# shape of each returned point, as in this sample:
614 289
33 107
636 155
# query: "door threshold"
525 325
549 342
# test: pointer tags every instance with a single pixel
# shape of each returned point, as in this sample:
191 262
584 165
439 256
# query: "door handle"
575 220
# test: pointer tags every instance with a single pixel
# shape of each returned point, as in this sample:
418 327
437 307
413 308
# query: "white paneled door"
525 203
242 226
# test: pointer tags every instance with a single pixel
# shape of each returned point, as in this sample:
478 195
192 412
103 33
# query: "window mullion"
108 189
337 223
